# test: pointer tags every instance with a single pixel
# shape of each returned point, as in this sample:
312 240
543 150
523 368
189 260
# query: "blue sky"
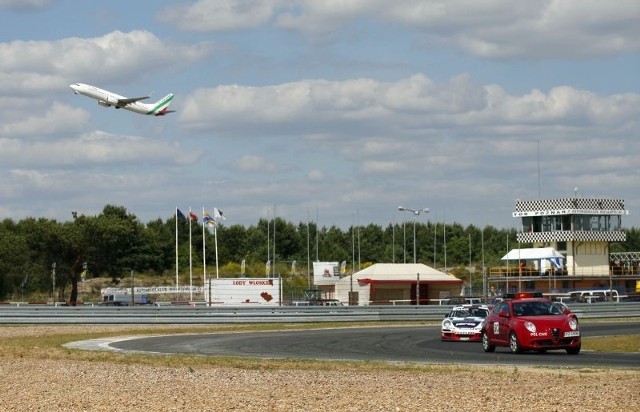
320 109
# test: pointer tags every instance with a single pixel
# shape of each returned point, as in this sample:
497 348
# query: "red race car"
527 321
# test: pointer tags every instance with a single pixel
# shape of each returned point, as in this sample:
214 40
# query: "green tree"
15 258
115 242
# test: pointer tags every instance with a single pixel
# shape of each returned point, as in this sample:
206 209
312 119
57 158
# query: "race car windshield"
535 309
460 313
479 313
472 312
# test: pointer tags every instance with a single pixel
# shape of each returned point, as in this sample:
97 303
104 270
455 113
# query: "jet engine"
108 102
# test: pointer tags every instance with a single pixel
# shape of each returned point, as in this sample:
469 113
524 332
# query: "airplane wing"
124 102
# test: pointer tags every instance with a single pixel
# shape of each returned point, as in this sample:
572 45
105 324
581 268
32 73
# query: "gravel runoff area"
34 383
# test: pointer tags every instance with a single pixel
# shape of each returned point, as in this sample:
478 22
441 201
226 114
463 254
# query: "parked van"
596 295
125 300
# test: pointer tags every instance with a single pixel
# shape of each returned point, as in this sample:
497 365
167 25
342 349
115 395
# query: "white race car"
464 323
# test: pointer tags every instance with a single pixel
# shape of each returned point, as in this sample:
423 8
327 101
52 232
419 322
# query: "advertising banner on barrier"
151 290
244 291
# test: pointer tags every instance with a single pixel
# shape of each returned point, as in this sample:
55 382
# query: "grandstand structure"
582 230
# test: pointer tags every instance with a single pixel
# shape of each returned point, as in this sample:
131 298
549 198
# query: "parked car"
125 300
325 302
464 323
591 296
527 321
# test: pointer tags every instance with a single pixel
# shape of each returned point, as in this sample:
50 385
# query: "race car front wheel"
514 345
573 351
486 343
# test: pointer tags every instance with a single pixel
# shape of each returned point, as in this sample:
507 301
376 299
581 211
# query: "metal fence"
172 314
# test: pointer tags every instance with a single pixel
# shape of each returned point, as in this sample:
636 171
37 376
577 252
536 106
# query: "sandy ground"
37 383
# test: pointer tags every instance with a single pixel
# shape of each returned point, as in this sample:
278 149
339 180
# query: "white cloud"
414 107
25 5
492 29
383 167
315 175
246 105
93 149
207 15
337 105
557 29
252 163
58 118
563 106
322 18
43 66
451 141
57 192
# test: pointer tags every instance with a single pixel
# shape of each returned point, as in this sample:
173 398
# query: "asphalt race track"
392 344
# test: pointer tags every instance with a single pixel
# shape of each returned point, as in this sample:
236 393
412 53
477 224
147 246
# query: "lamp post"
416 213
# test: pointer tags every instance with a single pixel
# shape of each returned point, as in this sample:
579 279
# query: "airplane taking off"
108 99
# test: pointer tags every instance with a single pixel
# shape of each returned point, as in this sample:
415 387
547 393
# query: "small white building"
397 283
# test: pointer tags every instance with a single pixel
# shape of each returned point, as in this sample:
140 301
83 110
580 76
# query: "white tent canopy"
533 253
539 254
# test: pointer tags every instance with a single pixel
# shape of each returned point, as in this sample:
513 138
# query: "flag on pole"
206 218
213 221
193 216
217 215
179 216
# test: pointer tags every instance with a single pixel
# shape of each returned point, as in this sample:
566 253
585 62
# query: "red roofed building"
397 283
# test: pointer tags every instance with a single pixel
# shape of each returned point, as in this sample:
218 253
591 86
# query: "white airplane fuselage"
108 99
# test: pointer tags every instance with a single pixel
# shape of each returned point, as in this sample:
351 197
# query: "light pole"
416 213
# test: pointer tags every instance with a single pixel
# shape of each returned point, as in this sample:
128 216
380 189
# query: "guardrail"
43 314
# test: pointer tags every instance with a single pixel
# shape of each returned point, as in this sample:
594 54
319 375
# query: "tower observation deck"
581 229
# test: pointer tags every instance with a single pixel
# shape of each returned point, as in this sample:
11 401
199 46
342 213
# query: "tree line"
43 255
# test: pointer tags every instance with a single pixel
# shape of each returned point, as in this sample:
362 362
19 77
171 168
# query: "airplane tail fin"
161 107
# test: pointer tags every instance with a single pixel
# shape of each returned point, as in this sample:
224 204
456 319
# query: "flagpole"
176 250
215 237
204 255
190 260
217 216
274 240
